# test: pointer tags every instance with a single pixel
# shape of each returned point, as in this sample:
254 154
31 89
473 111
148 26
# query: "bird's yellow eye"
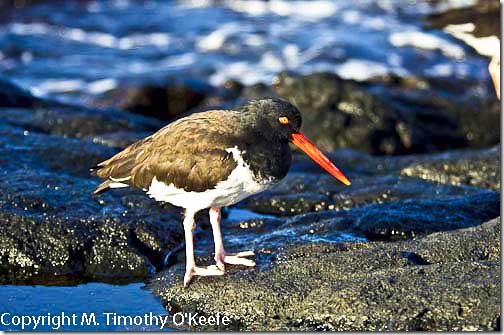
283 120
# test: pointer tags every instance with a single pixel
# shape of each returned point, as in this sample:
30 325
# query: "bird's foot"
211 270
236 259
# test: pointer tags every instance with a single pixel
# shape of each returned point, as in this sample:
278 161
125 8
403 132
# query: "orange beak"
314 153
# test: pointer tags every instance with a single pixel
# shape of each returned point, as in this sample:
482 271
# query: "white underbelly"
216 197
239 185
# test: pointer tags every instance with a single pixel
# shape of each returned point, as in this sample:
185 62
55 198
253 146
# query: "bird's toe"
211 270
243 253
187 278
239 258
220 265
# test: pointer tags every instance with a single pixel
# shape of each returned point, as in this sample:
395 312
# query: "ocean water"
73 50
106 301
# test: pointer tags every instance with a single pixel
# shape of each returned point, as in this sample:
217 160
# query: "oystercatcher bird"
211 160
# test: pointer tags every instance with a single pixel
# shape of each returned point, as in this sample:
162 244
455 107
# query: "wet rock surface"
482 171
51 224
401 212
377 180
444 281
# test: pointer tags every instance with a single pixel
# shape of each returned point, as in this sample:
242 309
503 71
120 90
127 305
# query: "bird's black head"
275 117
279 122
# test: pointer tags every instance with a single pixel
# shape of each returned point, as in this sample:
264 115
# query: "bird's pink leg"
191 268
221 257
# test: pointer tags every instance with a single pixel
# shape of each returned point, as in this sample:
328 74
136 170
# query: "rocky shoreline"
413 244
443 281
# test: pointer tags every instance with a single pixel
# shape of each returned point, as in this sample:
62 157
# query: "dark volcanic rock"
73 121
18 4
378 180
479 169
287 204
403 219
165 103
20 109
13 96
357 286
303 193
472 244
468 119
393 220
340 113
112 255
51 225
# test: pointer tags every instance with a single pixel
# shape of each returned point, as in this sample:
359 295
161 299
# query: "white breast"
239 185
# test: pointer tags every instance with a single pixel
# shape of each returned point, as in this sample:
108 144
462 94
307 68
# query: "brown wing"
190 153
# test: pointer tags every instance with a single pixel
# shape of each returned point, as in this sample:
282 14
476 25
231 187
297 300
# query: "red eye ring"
283 120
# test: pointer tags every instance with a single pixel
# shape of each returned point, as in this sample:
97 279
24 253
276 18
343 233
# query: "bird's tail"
102 187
